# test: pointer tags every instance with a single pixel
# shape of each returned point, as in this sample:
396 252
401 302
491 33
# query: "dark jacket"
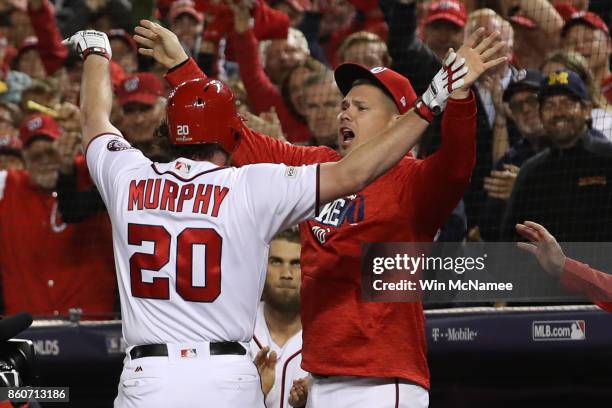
567 190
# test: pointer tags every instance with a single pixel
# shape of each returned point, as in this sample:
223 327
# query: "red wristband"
423 110
97 51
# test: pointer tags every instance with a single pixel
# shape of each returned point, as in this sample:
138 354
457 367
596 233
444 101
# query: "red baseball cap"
141 87
28 43
184 7
10 143
588 18
522 21
565 10
121 34
38 125
396 85
449 10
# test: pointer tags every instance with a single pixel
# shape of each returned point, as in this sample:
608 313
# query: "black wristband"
174 68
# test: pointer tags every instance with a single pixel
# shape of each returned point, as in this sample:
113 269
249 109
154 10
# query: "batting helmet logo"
204 111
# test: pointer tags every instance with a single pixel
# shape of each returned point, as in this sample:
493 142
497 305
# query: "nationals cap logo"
35 124
117 145
131 84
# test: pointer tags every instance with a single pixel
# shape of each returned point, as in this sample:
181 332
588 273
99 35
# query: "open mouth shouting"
346 136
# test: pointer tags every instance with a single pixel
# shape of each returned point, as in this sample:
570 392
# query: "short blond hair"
364 37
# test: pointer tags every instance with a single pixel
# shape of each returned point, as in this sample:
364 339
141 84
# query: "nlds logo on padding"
117 145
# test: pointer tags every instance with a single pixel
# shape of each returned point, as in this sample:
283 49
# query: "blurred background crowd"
543 152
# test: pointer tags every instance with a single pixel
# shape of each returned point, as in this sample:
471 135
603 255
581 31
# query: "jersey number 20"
159 288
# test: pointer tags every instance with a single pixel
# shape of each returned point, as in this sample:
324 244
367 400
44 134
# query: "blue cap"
563 82
524 80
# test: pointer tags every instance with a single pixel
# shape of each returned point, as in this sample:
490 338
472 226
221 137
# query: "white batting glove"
89 42
448 79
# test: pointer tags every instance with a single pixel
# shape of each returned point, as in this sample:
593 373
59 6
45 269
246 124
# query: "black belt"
161 350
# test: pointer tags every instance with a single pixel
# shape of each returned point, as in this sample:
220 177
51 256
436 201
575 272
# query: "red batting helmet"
203 111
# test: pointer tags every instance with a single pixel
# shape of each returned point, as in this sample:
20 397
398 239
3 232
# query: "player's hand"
160 43
87 42
543 245
500 183
481 54
298 396
266 366
448 79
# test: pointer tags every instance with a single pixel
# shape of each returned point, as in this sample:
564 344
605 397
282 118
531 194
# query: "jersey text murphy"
166 195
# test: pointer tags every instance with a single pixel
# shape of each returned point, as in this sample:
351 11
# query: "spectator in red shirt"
41 258
263 68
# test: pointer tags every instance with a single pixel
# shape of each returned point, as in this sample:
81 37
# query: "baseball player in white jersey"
277 340
191 236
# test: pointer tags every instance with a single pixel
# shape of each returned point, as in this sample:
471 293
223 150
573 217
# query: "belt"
161 350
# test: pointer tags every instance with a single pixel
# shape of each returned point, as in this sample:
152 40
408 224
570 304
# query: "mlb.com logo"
558 330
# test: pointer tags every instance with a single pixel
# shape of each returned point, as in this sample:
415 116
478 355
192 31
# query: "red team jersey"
343 335
47 266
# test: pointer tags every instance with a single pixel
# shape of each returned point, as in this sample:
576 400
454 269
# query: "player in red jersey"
364 354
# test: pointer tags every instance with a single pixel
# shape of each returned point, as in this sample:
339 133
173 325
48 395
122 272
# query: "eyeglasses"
530 102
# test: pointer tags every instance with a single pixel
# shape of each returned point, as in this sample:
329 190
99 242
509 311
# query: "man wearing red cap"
39 253
362 354
588 34
125 49
444 26
142 105
187 23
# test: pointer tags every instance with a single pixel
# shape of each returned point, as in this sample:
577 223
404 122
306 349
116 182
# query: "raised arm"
96 89
373 158
52 52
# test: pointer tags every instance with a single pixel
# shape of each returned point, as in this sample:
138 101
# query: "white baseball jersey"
288 363
191 239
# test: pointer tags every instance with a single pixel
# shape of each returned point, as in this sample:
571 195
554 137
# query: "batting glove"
448 78
89 42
